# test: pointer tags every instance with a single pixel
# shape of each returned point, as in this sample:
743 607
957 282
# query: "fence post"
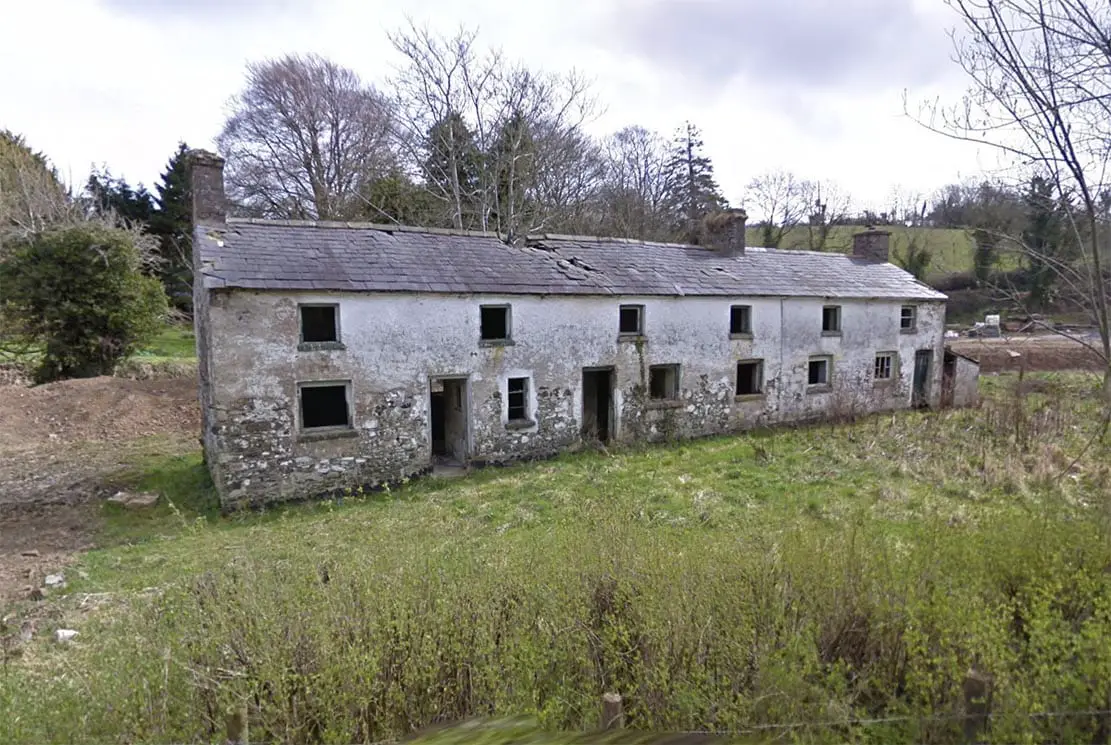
977 704
613 711
236 722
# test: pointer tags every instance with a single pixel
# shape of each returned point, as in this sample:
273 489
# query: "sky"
815 87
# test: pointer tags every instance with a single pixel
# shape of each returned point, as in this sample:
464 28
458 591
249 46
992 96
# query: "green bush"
79 293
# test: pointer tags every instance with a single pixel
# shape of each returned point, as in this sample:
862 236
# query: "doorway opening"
920 397
448 399
597 404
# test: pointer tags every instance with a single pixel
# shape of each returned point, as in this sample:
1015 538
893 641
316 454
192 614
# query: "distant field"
952 249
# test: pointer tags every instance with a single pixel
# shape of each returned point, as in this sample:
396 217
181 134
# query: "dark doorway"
597 405
448 398
948 378
921 394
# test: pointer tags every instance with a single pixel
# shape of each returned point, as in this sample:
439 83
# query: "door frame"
920 394
468 423
611 418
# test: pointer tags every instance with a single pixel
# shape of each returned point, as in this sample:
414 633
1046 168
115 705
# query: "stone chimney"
872 244
206 188
726 231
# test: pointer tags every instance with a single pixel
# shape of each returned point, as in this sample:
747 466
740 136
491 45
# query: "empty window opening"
831 319
818 371
517 399
740 319
494 322
663 382
632 319
750 377
318 323
324 406
885 365
908 318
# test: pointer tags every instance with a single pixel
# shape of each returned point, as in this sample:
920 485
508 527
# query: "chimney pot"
727 231
206 188
871 244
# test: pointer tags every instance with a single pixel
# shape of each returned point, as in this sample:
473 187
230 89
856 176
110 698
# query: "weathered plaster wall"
396 343
966 382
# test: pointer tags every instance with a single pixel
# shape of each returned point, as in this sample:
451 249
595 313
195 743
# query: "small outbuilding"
960 380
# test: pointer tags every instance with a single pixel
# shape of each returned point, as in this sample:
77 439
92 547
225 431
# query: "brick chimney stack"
872 244
727 231
206 188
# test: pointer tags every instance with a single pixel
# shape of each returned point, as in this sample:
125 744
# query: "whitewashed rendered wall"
396 342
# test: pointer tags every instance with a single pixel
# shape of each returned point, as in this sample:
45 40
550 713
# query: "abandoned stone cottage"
336 355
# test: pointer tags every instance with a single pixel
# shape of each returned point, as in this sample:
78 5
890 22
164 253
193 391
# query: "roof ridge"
355 225
609 239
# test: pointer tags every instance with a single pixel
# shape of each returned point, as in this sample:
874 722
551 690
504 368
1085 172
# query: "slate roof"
291 255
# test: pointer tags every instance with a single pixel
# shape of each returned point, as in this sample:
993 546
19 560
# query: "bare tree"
32 196
635 189
303 139
568 182
1041 93
483 129
436 87
780 201
829 206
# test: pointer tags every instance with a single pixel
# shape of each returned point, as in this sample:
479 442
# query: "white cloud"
120 82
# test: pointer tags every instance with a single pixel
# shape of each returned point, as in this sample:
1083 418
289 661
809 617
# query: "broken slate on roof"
289 255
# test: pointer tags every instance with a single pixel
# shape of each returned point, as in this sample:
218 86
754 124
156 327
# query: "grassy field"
172 353
172 343
814 575
952 249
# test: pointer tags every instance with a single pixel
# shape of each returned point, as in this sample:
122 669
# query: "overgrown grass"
811 575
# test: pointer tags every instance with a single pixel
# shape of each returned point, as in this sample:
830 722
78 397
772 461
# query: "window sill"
741 337
819 388
831 333
885 383
909 331
742 397
632 338
664 404
495 342
516 424
327 433
321 346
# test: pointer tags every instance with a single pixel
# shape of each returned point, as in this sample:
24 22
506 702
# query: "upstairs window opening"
319 324
631 321
494 322
740 320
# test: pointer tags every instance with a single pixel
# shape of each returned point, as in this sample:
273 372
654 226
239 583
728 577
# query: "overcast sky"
812 86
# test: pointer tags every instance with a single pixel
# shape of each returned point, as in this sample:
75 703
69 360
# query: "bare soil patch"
61 444
1033 352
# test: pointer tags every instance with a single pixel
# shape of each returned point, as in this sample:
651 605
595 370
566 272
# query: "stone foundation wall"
261 459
